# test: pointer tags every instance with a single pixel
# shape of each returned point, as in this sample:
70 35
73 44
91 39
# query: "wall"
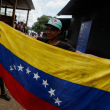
6 19
99 38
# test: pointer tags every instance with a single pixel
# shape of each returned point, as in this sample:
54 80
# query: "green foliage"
29 28
40 24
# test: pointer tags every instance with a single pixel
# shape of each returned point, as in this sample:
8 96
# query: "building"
97 37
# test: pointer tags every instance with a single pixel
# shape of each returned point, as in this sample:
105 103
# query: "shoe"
6 97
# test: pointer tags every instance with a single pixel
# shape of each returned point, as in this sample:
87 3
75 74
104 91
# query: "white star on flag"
57 101
20 67
11 68
36 76
14 66
28 71
51 92
45 83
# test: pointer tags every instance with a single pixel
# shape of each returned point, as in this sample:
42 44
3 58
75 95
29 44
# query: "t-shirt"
61 44
38 35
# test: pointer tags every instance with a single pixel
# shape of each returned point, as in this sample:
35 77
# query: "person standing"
44 34
39 34
21 27
53 38
26 32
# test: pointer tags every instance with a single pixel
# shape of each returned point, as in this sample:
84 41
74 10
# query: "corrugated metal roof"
21 4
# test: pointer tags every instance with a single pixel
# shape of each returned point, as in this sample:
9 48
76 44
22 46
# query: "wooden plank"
27 4
0 8
27 18
6 19
14 8
10 2
5 10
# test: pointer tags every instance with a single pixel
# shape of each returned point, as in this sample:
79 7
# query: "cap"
55 22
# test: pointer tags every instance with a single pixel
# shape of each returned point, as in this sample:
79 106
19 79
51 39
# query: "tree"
40 24
29 28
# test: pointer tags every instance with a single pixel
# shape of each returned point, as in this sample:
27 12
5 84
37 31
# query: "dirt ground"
9 105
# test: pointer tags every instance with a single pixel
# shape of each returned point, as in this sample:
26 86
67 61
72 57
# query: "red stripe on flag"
24 97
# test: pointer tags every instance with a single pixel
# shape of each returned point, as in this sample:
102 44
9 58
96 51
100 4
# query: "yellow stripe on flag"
77 68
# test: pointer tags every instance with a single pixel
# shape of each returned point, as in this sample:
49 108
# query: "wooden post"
27 18
0 8
0 5
14 8
5 10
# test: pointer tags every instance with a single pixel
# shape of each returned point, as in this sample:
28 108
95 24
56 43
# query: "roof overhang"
81 7
21 4
65 23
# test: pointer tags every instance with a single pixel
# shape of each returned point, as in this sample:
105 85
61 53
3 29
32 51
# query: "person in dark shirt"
61 44
44 34
53 30
39 34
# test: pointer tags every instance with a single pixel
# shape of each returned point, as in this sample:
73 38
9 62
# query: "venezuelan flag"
44 77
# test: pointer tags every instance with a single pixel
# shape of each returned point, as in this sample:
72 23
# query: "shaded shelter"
15 4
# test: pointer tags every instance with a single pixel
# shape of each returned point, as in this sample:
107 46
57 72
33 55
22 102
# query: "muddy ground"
9 105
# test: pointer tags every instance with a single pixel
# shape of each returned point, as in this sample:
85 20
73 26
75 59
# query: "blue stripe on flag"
60 93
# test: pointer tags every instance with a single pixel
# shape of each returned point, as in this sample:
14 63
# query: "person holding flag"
53 33
53 30
46 77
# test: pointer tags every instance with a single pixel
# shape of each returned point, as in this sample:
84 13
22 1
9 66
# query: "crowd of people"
21 26
52 35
